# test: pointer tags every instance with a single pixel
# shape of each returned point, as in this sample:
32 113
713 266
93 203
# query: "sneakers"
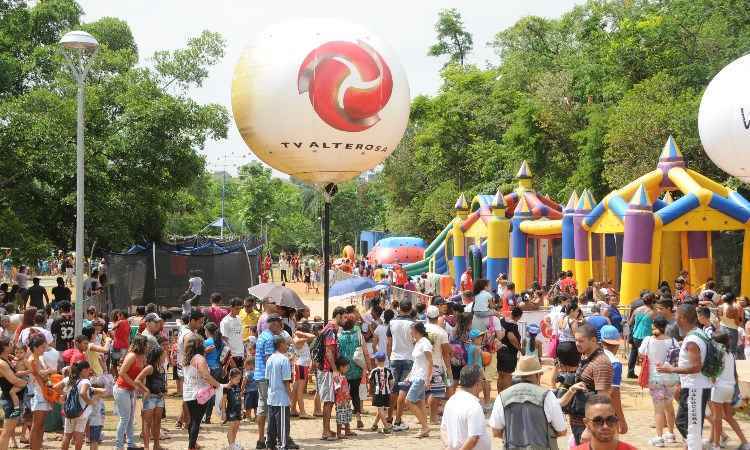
744 447
15 414
668 438
400 427
656 441
291 446
260 445
387 430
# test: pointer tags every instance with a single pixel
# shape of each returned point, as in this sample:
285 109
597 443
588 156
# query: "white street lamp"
79 49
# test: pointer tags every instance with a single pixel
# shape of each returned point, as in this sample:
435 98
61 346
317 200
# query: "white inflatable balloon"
724 119
321 100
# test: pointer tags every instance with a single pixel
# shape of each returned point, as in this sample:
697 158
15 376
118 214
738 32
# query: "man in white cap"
534 418
441 361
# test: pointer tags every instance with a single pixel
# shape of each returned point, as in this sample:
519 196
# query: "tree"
142 136
453 39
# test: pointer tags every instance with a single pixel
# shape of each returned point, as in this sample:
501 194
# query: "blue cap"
610 335
474 333
380 356
532 328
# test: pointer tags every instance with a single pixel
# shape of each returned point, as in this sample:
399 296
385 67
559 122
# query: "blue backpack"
72 407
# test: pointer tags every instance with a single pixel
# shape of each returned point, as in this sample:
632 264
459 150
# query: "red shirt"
620 446
467 282
329 341
568 285
215 314
133 372
121 331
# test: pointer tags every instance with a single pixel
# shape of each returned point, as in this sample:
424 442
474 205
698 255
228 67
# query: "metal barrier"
398 294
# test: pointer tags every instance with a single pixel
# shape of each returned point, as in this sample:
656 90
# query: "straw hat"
528 365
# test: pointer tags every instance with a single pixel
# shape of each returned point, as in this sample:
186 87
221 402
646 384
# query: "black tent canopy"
159 272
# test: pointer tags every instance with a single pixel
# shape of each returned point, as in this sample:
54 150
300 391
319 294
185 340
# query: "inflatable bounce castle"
646 231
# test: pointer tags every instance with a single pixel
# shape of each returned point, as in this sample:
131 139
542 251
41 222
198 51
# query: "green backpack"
713 365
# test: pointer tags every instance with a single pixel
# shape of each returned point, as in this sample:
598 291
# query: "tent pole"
249 265
326 254
153 257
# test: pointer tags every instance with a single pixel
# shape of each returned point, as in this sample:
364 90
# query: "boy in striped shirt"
381 382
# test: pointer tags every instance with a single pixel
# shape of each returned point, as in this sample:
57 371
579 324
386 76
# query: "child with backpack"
722 397
656 350
76 407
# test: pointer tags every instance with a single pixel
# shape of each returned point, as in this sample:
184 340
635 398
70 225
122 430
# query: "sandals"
330 437
424 434
374 428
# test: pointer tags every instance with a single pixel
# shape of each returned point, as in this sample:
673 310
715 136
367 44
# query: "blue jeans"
401 368
125 409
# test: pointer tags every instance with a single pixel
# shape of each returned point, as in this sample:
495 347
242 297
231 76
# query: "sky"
407 25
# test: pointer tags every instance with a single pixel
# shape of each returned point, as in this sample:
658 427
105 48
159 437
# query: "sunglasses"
599 421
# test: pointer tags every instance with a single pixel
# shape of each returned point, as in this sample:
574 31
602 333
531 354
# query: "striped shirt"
381 379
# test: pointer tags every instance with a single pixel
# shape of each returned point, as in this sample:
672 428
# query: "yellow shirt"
379 274
248 320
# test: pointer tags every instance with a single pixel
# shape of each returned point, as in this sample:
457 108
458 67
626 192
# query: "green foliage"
587 99
141 139
453 39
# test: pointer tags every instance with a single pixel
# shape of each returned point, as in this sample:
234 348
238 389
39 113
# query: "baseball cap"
437 301
474 333
273 318
405 304
433 312
196 314
152 317
380 356
532 328
610 335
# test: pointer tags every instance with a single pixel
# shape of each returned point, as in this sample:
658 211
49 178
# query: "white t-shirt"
303 355
726 379
438 337
22 280
693 380
419 368
196 285
656 350
552 410
185 331
81 383
24 337
400 330
463 418
382 333
51 358
231 328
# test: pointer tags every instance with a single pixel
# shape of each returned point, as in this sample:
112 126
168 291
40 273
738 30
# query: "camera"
565 380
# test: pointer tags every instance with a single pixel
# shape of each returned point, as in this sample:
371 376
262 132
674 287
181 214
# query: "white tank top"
192 381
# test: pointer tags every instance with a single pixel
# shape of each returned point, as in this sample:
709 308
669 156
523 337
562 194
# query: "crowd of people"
251 360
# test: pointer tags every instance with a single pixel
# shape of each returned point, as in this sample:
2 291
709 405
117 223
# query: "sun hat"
474 333
610 335
433 312
528 365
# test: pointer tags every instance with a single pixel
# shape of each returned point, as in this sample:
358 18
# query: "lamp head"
79 40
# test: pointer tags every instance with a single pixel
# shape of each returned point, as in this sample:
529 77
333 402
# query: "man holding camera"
594 375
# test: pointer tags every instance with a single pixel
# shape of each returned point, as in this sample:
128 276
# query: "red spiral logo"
348 84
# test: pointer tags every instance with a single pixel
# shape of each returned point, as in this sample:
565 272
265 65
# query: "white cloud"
407 25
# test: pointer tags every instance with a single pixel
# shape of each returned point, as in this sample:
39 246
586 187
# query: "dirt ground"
636 404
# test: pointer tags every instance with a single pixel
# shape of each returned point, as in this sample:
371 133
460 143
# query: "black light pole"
328 192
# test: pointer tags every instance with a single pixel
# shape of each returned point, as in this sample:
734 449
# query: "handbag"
205 394
359 353
643 377
552 352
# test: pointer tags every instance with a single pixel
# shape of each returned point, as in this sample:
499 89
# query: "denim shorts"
153 401
401 368
7 406
95 433
38 403
416 391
